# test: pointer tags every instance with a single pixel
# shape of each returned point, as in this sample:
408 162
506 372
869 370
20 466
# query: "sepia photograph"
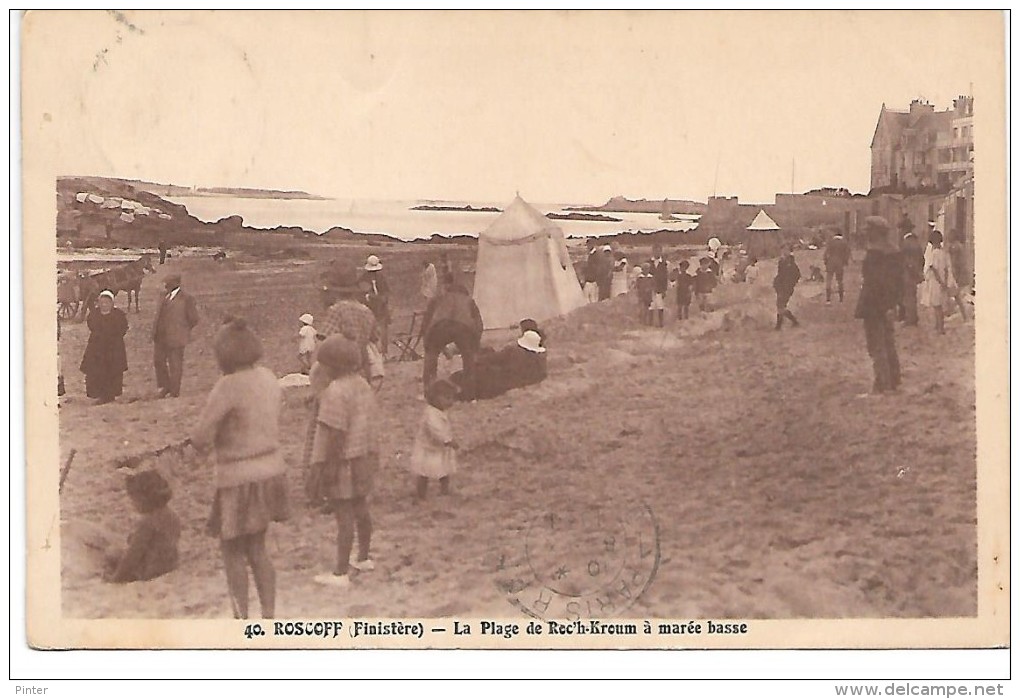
577 329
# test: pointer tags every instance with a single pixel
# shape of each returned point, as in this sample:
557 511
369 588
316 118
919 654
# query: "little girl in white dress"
435 452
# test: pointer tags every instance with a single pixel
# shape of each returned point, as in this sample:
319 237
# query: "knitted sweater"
241 421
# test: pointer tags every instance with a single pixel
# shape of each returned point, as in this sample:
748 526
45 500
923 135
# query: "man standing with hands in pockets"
176 315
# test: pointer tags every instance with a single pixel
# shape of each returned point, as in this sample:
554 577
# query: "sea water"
399 219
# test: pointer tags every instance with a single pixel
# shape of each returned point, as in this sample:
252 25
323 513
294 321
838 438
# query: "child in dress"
152 546
345 454
306 342
645 292
240 422
435 451
939 287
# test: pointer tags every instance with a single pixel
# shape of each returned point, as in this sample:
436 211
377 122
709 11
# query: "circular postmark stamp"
580 560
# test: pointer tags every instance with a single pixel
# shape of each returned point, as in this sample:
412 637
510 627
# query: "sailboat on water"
667 214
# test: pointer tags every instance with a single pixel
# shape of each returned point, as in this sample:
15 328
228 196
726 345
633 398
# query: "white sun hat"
531 341
307 319
372 264
714 244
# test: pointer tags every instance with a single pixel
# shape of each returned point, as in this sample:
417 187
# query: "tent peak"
763 222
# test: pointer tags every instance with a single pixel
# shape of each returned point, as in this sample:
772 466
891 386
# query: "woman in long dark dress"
105 359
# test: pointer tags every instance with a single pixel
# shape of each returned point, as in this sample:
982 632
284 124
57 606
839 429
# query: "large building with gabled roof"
922 149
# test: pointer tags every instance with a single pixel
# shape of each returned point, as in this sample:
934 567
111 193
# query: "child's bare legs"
350 514
940 320
959 304
263 572
236 565
444 485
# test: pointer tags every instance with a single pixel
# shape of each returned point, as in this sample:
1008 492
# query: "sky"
561 107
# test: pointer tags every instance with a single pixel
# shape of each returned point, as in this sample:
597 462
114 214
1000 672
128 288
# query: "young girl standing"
241 422
435 451
306 342
345 453
939 287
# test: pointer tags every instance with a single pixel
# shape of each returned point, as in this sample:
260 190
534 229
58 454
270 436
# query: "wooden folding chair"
407 343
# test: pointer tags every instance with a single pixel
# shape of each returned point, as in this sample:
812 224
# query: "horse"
127 277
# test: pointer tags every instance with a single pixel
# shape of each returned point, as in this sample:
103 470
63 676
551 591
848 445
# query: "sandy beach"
776 491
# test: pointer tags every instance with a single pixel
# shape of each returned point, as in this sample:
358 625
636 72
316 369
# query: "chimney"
919 107
963 106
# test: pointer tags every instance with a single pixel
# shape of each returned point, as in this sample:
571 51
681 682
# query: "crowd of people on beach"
344 354
895 279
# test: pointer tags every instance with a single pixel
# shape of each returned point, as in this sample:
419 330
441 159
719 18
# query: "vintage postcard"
515 330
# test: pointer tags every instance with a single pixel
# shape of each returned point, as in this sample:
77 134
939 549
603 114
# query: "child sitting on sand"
152 546
345 454
645 291
306 342
704 283
435 451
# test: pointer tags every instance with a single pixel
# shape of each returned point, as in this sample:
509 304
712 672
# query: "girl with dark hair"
152 546
435 451
345 454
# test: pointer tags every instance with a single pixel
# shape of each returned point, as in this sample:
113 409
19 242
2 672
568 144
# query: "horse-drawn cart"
68 297
77 291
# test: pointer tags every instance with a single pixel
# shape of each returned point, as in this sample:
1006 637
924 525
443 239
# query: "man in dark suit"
881 286
176 315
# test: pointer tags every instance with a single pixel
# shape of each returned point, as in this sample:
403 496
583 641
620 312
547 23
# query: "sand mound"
292 380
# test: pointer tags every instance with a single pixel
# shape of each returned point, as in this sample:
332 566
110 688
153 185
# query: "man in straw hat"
377 298
176 316
881 276
348 316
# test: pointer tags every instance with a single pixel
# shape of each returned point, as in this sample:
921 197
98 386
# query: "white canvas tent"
763 236
523 269
763 222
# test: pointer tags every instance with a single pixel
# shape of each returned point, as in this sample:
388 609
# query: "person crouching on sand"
152 546
345 454
435 451
241 422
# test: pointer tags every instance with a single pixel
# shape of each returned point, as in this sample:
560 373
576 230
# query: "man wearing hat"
881 276
377 298
176 315
348 316
835 257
